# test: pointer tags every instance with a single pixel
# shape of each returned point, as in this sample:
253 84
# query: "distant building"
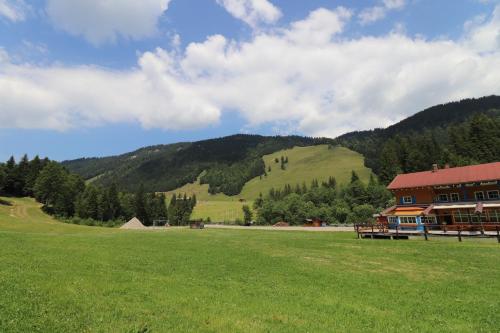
469 194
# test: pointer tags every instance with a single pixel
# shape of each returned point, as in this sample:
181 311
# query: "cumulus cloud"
62 98
105 21
252 12
376 13
484 35
13 10
306 77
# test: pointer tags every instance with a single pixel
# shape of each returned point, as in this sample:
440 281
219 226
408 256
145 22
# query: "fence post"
460 233
397 232
425 233
498 234
372 230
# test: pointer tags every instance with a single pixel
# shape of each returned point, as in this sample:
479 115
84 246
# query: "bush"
92 223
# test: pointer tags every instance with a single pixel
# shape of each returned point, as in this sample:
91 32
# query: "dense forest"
228 163
459 133
67 196
328 202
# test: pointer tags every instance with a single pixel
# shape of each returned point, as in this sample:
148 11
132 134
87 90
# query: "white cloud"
376 13
13 10
252 12
105 21
482 35
307 77
62 98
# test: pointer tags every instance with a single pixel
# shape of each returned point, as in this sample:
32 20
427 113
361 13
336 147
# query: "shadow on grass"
5 203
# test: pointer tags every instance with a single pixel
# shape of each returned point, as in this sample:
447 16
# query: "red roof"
467 174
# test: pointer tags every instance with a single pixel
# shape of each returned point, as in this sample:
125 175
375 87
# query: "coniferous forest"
460 133
67 196
457 134
326 201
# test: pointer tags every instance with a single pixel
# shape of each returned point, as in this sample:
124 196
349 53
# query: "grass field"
67 278
305 164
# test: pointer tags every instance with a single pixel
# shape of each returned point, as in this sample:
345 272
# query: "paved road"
322 229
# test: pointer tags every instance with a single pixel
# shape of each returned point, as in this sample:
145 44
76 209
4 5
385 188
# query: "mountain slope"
228 163
456 133
304 165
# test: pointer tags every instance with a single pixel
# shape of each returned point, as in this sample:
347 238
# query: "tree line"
67 196
326 201
457 134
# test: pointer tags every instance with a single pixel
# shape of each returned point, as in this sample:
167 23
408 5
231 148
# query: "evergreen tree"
141 210
247 214
49 183
2 178
389 163
354 177
35 166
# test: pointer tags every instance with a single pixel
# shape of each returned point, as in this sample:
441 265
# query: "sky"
81 78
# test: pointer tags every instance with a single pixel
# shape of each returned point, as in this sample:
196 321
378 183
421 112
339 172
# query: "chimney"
434 167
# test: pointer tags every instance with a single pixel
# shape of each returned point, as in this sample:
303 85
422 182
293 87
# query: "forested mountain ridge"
457 133
229 163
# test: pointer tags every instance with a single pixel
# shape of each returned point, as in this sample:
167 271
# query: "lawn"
65 278
305 164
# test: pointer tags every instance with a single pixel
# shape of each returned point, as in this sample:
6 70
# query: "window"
495 215
493 195
408 219
443 197
461 217
428 219
393 220
455 197
407 200
479 195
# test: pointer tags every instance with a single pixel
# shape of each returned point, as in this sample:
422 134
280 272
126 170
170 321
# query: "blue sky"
79 78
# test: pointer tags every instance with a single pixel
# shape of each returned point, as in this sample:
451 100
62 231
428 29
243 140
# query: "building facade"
467 195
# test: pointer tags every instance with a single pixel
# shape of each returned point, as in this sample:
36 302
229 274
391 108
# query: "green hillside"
57 277
228 162
304 165
457 133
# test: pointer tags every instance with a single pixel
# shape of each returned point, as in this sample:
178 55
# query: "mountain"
305 165
227 163
457 133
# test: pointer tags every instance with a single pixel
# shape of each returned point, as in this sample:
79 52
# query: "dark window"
407 200
493 195
443 197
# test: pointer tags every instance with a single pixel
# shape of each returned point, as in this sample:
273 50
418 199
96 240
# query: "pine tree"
354 176
49 183
389 163
141 211
35 166
2 178
247 214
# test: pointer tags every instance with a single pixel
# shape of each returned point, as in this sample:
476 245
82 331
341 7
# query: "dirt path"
19 211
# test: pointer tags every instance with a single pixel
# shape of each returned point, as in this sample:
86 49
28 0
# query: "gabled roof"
460 175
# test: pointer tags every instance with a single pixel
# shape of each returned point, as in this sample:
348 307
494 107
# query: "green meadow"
66 278
305 164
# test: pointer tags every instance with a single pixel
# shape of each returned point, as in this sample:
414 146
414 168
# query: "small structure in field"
133 224
313 223
281 224
196 225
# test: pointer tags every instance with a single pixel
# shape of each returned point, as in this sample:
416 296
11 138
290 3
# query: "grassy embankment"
305 164
66 278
